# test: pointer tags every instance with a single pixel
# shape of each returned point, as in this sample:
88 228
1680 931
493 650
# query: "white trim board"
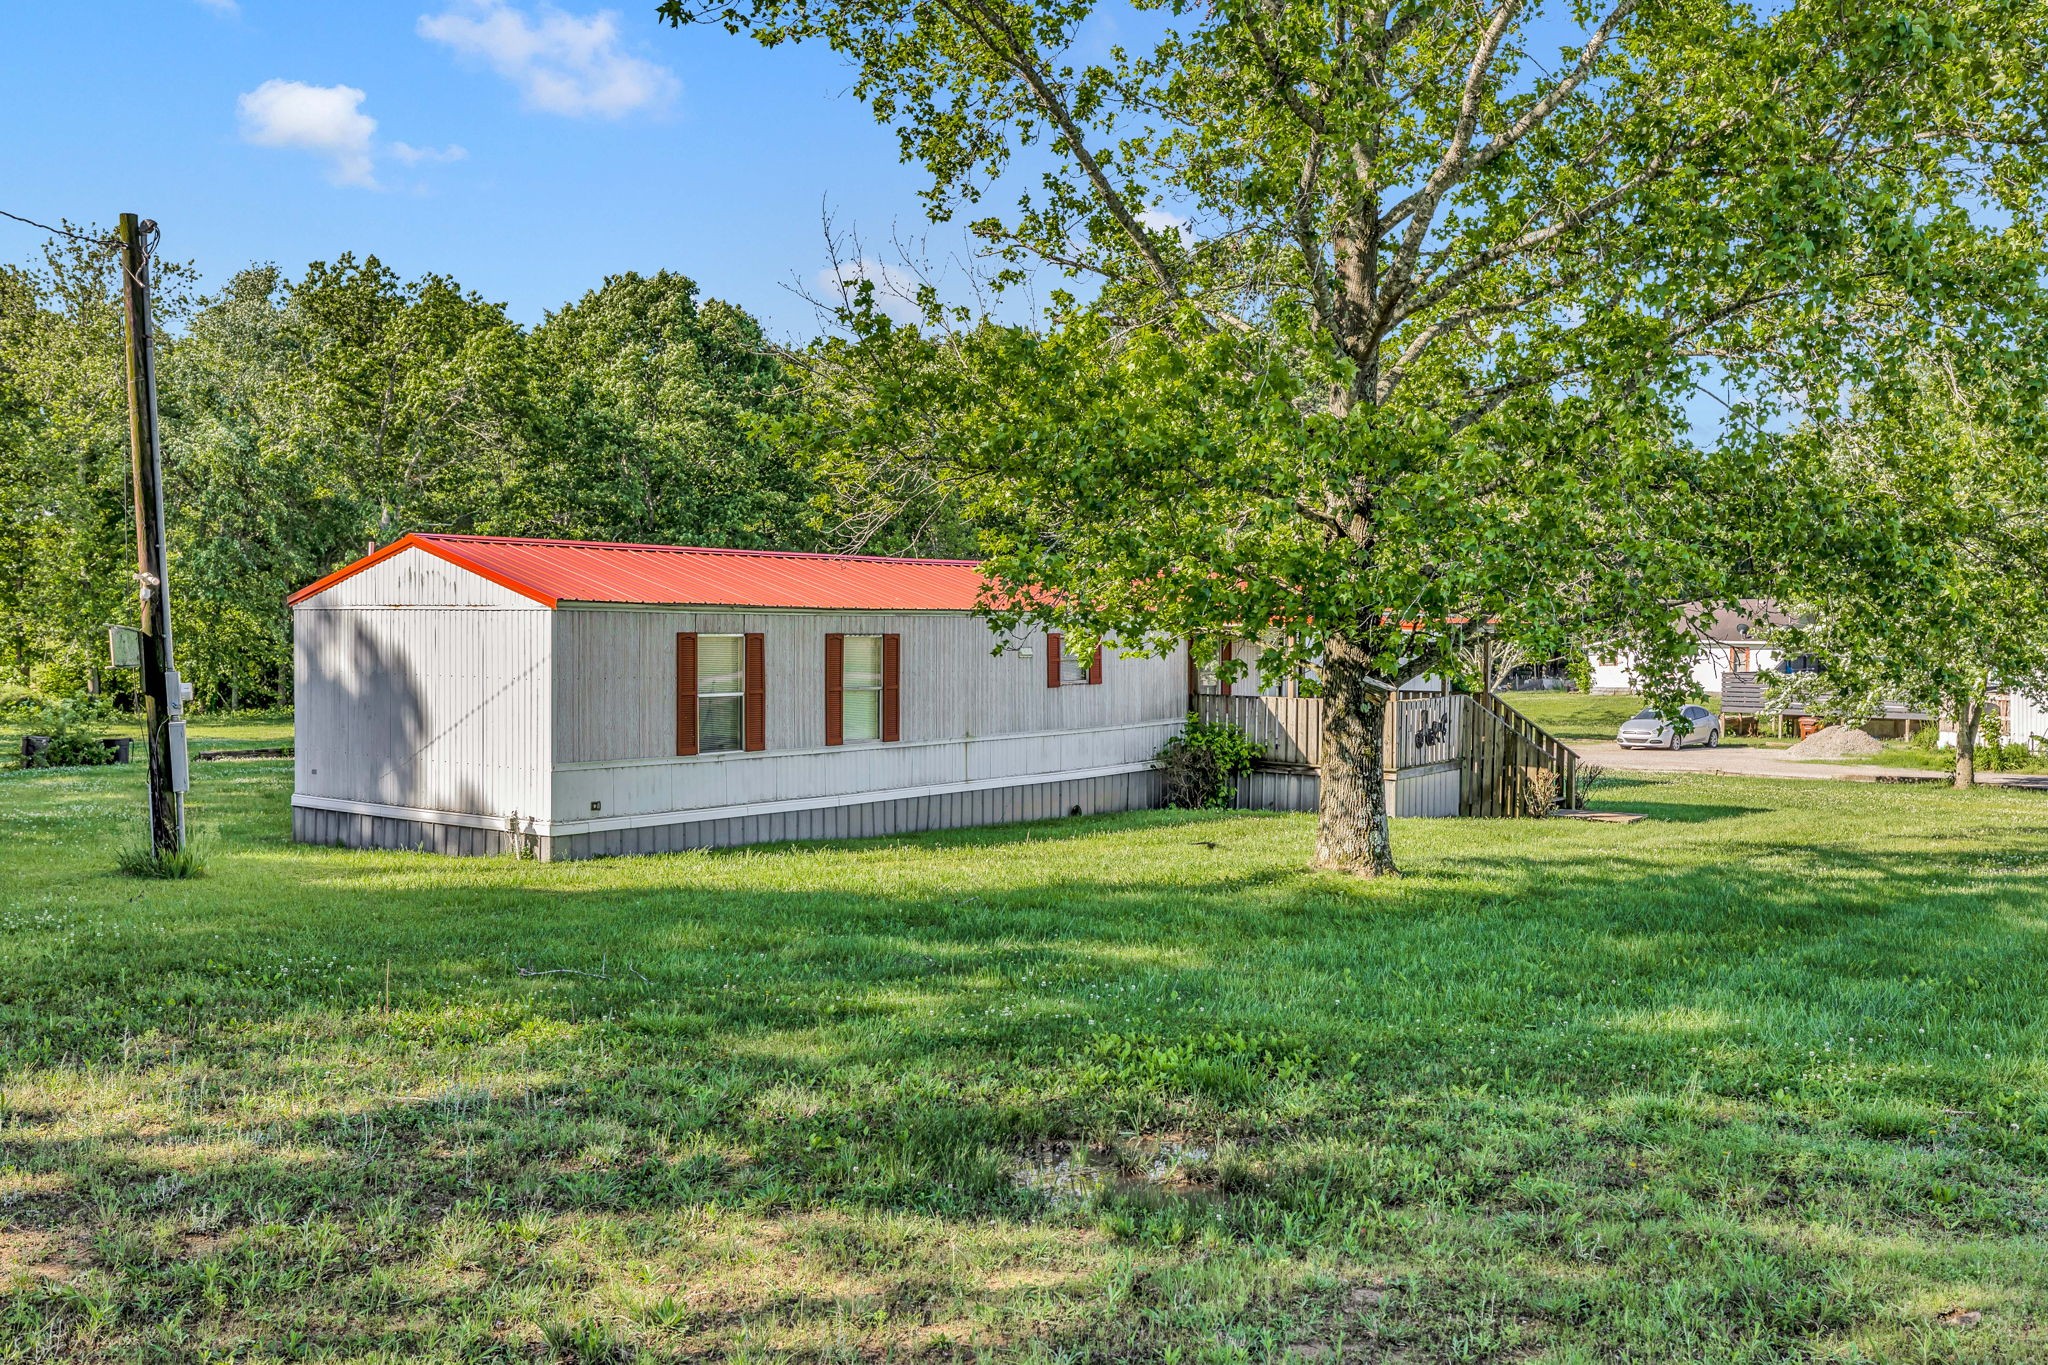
555 828
866 746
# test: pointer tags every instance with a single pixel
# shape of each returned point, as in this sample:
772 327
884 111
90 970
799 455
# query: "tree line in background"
308 418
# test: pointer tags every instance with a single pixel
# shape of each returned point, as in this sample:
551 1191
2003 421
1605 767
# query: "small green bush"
18 702
1203 762
73 726
142 860
1579 668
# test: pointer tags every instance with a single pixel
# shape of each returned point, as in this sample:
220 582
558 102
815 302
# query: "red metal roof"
556 571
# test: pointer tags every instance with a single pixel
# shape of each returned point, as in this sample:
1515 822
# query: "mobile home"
471 694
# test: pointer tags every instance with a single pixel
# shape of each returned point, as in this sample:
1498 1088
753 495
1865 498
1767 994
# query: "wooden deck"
1445 754
1742 694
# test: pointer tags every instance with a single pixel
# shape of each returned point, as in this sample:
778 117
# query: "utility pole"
162 692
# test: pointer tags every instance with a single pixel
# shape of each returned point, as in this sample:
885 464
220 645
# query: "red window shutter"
686 693
835 689
1095 666
892 688
1223 684
1052 660
757 692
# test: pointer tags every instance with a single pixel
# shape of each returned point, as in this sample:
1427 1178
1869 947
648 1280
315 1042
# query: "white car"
1646 729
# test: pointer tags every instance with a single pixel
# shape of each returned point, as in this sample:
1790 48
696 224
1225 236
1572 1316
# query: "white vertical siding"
414 578
2029 722
968 714
440 704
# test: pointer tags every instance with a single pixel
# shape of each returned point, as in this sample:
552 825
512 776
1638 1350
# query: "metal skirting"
347 829
1030 800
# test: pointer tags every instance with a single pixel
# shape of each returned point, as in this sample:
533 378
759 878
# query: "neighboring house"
2022 719
1728 643
471 694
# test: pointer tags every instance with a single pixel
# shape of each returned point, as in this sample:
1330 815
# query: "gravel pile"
1837 741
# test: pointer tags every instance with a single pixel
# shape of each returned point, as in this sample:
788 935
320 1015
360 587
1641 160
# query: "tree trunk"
1967 711
1351 822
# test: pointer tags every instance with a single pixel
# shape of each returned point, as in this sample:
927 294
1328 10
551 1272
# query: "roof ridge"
461 538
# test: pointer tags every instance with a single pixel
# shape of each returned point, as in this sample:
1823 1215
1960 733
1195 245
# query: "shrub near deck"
1760 1077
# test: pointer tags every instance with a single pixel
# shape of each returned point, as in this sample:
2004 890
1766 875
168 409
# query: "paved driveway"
1736 761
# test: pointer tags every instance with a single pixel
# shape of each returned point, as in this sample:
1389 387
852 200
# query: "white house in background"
470 694
1728 643
2022 719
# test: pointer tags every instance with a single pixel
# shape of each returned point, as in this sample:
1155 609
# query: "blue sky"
527 150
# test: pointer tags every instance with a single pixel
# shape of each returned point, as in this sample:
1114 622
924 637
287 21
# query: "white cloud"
413 156
562 63
326 120
1159 220
895 289
227 7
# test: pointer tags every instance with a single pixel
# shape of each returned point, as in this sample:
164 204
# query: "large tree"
1389 313
1931 585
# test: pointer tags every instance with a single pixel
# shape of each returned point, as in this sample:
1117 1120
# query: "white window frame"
847 691
738 697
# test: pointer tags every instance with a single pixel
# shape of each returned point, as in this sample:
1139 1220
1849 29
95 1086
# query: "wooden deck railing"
1742 694
1495 747
1515 748
1289 728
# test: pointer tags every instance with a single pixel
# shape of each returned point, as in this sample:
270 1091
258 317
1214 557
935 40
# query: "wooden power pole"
162 692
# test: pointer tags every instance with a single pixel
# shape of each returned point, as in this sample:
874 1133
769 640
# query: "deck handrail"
1496 746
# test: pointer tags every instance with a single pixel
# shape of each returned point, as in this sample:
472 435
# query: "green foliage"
1927 589
1204 761
144 861
20 703
658 405
74 728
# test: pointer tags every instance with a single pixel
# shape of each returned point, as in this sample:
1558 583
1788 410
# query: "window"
863 698
860 690
1064 668
721 693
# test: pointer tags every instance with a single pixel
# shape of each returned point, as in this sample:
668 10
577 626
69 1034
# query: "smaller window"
860 701
721 693
1075 669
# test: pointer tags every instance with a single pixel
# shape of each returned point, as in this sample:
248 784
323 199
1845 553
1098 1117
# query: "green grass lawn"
1577 717
1760 1078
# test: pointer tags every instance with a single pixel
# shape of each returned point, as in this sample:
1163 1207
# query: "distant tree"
657 403
22 527
1394 309
1931 586
62 356
420 396
255 507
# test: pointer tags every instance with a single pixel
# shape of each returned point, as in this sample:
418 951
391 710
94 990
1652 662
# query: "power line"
104 243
